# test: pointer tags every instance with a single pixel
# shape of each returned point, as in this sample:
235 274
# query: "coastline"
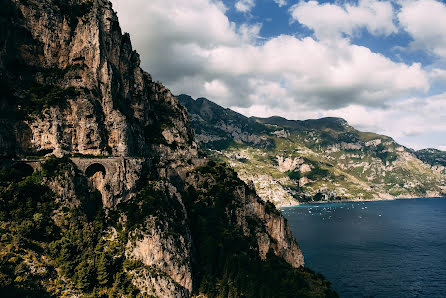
360 200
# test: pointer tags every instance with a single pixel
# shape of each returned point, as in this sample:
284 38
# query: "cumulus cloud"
404 120
438 75
407 118
280 2
424 20
249 33
333 21
327 77
244 5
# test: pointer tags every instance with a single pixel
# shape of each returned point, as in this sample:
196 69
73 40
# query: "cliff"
103 190
74 85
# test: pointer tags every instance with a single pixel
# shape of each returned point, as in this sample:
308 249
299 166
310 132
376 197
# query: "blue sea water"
375 249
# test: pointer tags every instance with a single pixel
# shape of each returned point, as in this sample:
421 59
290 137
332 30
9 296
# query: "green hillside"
313 160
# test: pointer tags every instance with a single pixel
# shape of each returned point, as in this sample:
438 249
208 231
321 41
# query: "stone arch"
95 168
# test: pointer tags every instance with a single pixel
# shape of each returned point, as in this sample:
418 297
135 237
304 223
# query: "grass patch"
34 98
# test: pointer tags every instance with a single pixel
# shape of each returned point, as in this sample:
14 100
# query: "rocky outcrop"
278 236
165 253
288 164
272 232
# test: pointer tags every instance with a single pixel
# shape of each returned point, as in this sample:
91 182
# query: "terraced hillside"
325 159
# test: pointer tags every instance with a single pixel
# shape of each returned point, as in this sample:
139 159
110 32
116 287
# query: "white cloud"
217 89
280 2
221 6
249 33
438 74
405 120
326 77
244 5
332 21
425 20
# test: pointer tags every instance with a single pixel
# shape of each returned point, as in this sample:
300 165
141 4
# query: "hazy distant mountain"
321 159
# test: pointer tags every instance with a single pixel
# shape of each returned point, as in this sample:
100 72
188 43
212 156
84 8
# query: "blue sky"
276 20
381 65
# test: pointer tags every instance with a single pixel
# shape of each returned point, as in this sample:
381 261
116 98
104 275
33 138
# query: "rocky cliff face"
129 205
75 85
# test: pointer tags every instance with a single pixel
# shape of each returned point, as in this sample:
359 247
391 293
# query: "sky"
381 65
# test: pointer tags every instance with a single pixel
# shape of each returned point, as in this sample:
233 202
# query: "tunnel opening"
22 170
93 169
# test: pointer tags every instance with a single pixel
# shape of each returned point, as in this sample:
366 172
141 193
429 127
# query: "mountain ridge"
316 159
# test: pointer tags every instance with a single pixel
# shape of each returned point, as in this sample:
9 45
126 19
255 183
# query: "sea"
375 249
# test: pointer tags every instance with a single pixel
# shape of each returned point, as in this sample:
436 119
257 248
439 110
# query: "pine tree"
84 276
99 249
65 257
118 284
102 270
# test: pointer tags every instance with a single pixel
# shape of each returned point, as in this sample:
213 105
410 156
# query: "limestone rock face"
168 253
95 99
278 236
288 164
